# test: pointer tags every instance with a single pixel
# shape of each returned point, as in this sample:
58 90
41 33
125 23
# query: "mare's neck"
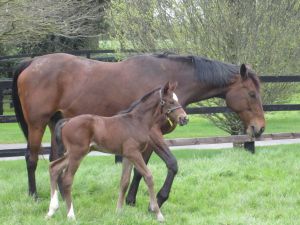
195 85
193 90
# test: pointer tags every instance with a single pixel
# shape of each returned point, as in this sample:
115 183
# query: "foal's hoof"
150 209
160 218
71 217
47 217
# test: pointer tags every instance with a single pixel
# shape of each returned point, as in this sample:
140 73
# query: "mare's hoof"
34 196
130 202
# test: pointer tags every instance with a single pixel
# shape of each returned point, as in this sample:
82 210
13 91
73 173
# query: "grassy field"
198 127
212 187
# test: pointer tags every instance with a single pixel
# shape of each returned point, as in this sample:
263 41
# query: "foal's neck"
147 114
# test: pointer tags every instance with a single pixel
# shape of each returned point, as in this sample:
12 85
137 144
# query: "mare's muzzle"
183 120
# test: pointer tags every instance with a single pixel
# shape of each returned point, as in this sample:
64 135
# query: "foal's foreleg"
141 166
131 195
126 172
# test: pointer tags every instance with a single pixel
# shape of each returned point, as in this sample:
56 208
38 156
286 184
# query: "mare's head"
243 97
170 106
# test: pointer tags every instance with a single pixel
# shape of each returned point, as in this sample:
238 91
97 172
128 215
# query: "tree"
263 33
44 24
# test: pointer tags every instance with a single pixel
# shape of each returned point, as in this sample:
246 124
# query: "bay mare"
73 86
126 134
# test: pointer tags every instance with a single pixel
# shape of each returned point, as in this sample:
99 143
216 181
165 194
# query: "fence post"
118 159
250 146
1 102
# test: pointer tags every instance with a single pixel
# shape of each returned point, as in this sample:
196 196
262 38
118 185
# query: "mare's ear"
244 71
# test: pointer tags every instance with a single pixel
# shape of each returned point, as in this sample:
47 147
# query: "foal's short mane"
137 102
210 71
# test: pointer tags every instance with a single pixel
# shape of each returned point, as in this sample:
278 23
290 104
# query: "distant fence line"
7 83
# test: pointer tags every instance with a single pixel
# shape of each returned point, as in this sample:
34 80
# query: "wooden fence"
249 143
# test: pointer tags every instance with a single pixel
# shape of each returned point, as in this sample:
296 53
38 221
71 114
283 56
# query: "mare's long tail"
16 99
58 137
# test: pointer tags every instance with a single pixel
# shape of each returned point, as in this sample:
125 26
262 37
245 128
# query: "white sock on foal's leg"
71 214
53 204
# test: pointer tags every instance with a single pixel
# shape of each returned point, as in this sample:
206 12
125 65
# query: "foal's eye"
252 94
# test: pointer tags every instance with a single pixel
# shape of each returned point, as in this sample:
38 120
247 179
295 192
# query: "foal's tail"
15 96
58 138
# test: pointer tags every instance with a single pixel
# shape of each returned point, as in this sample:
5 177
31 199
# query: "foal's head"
170 106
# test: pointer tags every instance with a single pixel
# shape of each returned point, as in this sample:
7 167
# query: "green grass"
212 187
198 127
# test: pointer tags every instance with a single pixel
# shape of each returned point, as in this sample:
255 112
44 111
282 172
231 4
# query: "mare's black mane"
210 71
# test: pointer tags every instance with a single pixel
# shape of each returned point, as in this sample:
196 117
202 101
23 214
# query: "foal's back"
106 134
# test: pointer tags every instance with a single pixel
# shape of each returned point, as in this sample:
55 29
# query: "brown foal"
126 134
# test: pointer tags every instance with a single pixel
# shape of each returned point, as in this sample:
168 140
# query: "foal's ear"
244 71
169 87
173 86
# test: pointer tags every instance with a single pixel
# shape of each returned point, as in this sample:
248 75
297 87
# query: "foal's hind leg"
53 152
138 161
55 170
126 172
67 180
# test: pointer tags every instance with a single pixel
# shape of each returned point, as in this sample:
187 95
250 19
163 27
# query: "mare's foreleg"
163 151
134 186
126 172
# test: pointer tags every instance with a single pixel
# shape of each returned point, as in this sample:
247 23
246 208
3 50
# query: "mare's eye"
252 94
172 102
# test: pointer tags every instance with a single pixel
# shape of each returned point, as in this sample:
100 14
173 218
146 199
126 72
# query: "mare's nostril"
183 121
186 120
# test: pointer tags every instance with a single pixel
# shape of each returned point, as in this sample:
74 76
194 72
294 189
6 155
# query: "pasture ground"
212 187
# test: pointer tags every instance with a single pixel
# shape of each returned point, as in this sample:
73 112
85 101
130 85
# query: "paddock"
226 186
229 186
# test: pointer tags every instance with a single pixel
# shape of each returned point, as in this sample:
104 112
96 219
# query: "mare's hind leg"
55 170
32 155
139 163
126 172
134 186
